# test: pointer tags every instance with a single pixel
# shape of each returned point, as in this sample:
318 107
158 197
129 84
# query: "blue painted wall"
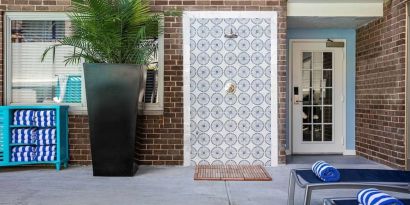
350 36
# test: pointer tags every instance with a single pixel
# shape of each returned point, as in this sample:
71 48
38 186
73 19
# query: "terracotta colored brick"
49 2
35 2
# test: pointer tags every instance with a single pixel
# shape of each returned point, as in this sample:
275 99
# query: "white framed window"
28 80
154 90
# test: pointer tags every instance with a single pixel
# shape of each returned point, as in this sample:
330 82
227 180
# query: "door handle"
299 101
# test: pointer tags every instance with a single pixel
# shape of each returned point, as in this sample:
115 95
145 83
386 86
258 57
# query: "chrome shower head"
231 35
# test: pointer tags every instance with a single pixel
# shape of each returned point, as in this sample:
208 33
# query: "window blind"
50 81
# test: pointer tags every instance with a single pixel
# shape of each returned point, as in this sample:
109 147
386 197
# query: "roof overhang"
332 13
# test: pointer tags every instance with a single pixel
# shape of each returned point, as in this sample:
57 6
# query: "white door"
317 98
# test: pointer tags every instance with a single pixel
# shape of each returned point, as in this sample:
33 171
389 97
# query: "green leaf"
111 31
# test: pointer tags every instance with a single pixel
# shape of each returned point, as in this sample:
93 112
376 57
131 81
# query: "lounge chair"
352 201
389 180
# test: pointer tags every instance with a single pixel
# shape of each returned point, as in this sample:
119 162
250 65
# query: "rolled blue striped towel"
23 135
47 142
23 140
46 134
46 131
52 153
376 197
23 149
325 171
24 117
20 132
23 154
22 159
46 148
45 158
47 138
46 123
45 118
45 113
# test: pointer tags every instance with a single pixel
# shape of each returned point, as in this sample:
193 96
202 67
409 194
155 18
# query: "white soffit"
335 8
333 13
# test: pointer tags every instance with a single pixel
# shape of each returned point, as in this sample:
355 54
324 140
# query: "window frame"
75 108
158 107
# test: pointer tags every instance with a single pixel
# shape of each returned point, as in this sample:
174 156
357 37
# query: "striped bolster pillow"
376 197
326 172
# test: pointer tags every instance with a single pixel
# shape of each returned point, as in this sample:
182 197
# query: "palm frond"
111 31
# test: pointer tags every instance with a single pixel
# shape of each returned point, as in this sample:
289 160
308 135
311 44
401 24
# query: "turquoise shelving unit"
6 125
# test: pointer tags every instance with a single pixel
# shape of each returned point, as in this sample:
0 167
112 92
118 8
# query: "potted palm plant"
115 39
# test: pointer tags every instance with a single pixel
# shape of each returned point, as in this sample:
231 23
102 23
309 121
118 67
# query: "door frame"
407 87
289 149
273 16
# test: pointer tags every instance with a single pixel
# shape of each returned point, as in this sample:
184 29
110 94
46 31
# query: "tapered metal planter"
112 100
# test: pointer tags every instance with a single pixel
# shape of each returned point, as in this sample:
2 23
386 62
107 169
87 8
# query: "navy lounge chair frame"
351 201
294 179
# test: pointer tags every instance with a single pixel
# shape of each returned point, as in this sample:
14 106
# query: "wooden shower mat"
231 173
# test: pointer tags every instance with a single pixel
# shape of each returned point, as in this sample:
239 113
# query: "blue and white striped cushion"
23 149
46 148
325 171
376 197
24 117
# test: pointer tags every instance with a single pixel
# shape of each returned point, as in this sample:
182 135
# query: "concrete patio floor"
158 185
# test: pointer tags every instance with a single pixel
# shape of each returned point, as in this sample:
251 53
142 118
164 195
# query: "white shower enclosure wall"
230 88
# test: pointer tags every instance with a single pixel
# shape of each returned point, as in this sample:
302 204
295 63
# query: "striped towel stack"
46 136
45 118
326 172
24 117
23 135
46 151
376 197
23 154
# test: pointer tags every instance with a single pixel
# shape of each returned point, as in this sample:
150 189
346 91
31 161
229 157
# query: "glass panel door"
317 88
318 124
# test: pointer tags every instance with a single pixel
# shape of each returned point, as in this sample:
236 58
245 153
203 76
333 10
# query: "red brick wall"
160 138
78 125
380 87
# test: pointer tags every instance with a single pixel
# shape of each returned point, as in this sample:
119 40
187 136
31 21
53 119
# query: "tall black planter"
112 95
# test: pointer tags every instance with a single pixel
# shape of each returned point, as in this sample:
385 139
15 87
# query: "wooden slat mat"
231 173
